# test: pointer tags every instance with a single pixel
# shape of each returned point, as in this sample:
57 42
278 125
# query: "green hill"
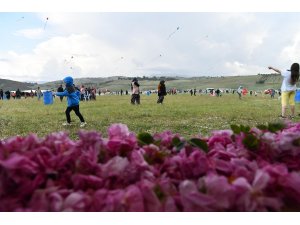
147 83
11 85
251 82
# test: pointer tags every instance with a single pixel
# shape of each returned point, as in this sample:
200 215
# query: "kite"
46 23
119 59
160 55
170 35
69 61
20 19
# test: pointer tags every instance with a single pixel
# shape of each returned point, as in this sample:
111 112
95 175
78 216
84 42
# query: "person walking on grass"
73 96
135 90
288 88
161 92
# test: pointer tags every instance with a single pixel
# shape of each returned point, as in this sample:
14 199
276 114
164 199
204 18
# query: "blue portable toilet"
48 98
297 96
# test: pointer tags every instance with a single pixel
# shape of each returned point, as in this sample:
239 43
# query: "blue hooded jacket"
72 97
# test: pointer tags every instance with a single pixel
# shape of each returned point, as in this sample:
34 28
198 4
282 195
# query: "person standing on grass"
135 90
60 89
1 94
161 92
7 94
288 88
239 91
39 93
18 94
73 96
272 93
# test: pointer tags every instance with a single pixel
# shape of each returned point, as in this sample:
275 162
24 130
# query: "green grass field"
182 113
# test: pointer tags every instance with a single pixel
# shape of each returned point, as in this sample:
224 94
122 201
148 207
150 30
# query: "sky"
45 45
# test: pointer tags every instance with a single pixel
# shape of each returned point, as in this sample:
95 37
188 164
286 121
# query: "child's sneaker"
66 124
82 124
282 117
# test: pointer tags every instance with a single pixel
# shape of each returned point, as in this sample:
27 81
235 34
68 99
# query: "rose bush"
243 169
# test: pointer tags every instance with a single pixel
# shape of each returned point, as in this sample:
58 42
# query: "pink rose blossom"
116 174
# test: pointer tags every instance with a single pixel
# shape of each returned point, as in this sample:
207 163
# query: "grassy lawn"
182 113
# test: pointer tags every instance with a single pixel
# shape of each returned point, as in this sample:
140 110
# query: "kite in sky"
69 61
119 59
170 35
160 55
46 23
20 18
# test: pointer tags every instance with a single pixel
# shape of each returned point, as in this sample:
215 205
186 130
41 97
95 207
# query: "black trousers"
76 110
160 99
135 98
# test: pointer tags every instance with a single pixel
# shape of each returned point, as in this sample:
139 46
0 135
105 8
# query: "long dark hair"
294 73
135 81
161 85
70 89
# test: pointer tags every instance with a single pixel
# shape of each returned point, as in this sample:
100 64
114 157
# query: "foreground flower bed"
242 169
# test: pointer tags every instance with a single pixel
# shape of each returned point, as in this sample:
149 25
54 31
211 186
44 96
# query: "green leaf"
238 129
180 146
244 129
262 127
199 143
177 143
145 138
235 128
273 127
251 142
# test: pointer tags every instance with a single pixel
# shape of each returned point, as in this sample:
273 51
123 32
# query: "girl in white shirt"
288 88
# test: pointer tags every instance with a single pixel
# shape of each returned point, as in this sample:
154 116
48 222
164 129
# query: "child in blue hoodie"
73 97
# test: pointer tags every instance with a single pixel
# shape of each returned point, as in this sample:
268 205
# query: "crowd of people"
74 94
90 93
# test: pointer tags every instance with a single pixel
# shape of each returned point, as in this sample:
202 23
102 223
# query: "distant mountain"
12 85
254 82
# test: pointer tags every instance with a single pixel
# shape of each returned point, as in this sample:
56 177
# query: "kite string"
173 33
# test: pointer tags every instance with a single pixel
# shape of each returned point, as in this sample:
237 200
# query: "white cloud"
34 33
290 53
253 41
238 68
106 44
82 55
